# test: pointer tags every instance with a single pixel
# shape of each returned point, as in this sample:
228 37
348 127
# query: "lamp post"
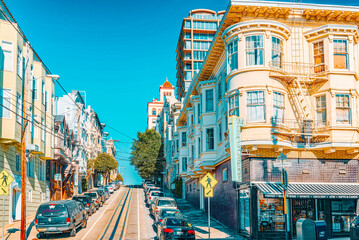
23 148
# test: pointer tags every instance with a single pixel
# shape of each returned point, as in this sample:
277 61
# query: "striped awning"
310 190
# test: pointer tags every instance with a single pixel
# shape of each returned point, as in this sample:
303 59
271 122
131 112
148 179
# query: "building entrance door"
302 208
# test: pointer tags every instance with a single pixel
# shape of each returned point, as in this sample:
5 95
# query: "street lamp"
23 156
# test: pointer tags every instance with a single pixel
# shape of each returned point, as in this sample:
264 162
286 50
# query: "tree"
119 178
104 163
147 154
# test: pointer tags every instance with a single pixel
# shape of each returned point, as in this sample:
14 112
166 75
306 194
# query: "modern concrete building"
287 74
196 35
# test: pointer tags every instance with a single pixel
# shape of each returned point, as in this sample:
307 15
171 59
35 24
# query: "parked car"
148 186
59 217
167 212
95 197
110 188
82 208
153 195
106 192
87 202
114 185
175 228
162 202
354 229
152 189
102 194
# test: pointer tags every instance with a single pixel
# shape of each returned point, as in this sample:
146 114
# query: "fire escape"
301 80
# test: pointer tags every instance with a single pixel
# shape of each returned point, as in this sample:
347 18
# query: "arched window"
154 111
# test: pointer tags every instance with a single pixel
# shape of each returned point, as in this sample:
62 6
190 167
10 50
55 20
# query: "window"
321 109
41 171
209 100
18 162
225 174
277 52
232 50
34 89
36 126
31 167
210 138
5 100
220 131
318 54
219 91
199 112
187 35
154 112
188 75
340 53
188 45
42 129
234 105
256 106
46 100
18 107
278 107
43 92
199 55
187 24
177 145
184 139
199 147
19 62
254 50
184 164
8 57
342 108
30 196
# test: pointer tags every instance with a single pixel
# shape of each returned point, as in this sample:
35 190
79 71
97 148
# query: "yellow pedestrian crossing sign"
208 181
5 180
208 192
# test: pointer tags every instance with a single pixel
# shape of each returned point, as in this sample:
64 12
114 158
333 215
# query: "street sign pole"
209 218
3 217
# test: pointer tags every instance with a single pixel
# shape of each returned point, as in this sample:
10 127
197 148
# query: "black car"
167 212
87 202
175 228
59 217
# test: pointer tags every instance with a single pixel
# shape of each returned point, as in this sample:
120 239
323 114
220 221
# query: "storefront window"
271 217
343 213
244 210
302 208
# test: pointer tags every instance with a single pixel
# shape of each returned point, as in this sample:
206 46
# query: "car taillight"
160 220
95 201
87 204
150 198
35 221
68 220
190 232
168 230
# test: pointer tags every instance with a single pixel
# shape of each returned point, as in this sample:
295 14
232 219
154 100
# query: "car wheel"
84 223
73 232
41 235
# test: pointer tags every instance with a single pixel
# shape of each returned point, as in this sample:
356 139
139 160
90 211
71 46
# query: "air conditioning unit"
32 148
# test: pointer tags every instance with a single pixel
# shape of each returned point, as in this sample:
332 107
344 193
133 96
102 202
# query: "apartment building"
279 81
196 35
22 67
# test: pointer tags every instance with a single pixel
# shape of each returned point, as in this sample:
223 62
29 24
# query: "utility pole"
23 150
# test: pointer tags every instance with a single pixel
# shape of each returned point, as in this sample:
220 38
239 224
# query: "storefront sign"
235 123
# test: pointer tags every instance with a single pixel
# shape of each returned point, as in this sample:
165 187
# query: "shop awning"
310 190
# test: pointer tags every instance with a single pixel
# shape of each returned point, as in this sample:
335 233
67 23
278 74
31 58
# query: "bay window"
209 100
232 50
210 138
5 100
340 53
184 139
277 52
321 109
255 106
318 54
342 108
254 50
278 107
234 105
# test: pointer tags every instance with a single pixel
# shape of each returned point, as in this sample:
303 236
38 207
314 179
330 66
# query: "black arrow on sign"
4 190
209 192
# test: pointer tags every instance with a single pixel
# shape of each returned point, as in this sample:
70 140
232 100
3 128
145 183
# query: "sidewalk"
17 224
199 220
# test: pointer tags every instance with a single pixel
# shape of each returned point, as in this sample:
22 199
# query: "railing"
304 126
304 71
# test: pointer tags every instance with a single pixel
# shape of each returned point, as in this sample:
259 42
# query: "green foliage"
84 185
119 178
104 163
178 187
147 154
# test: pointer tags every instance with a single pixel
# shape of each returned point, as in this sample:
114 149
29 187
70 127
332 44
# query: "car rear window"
157 194
171 213
58 210
176 222
81 199
92 194
169 203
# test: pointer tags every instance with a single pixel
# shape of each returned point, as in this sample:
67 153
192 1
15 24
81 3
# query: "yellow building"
20 65
290 72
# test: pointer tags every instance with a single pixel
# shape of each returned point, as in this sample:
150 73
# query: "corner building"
289 71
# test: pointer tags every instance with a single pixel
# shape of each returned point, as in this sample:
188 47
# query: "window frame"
209 100
259 49
278 51
233 105
232 53
209 139
6 108
277 106
341 122
183 139
318 67
18 107
256 105
225 170
346 54
9 50
319 109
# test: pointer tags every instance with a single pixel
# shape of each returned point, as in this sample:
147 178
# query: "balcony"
303 131
305 72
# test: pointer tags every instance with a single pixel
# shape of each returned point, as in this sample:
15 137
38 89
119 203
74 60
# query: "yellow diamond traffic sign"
208 181
5 180
208 192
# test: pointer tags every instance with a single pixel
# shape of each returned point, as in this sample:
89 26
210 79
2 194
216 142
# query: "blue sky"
118 51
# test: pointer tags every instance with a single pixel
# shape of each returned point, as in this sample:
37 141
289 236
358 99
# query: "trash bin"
305 229
321 230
